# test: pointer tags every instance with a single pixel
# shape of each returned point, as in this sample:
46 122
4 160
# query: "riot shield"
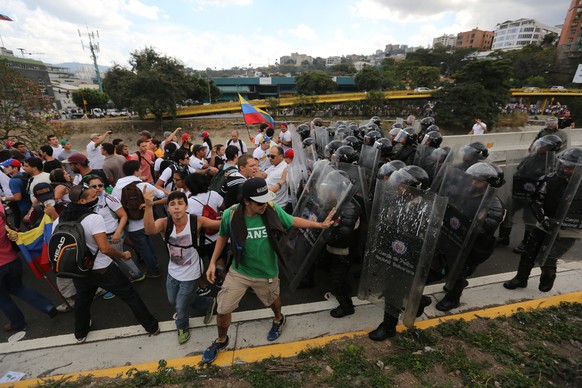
466 210
402 237
357 175
441 161
297 172
568 215
370 162
321 140
325 189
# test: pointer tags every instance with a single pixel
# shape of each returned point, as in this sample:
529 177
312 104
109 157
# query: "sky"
221 34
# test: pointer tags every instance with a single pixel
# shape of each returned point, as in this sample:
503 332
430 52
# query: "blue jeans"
11 284
182 294
112 280
144 245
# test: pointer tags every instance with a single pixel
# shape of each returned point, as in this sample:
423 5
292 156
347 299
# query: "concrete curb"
253 354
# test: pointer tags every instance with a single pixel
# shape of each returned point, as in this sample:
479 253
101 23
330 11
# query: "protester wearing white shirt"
94 154
261 153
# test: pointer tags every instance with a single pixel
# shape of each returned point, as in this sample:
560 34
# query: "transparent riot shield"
466 210
441 160
369 161
321 140
325 189
509 166
297 173
568 215
310 157
402 237
357 175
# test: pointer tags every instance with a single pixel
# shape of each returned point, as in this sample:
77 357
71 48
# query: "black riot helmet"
372 127
331 131
376 120
345 154
406 136
546 144
432 139
304 131
352 127
353 142
432 128
419 174
387 169
403 177
475 151
341 132
371 137
487 172
567 161
331 147
427 122
307 142
385 147
318 122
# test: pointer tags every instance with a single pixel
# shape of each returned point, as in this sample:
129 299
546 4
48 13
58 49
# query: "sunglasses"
98 186
273 156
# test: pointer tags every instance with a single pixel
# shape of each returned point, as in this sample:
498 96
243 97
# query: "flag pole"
51 284
246 125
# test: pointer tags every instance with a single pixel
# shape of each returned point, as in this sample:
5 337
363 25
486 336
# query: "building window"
574 24
570 40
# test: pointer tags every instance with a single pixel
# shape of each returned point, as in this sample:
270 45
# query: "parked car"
421 89
557 88
530 89
112 112
97 113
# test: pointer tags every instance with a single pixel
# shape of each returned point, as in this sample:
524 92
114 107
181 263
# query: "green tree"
375 103
481 88
117 83
425 76
342 69
93 97
369 79
315 82
23 110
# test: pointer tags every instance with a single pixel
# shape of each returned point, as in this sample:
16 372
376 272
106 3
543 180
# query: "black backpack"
175 167
197 240
68 253
218 179
131 200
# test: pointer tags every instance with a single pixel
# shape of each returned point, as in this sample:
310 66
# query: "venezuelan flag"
254 115
34 246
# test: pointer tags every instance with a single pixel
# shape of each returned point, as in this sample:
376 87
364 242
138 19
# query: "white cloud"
303 32
137 8
223 3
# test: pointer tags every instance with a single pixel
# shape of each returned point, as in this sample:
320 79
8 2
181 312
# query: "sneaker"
81 340
520 248
203 291
275 331
209 312
156 332
100 292
209 355
108 295
175 316
153 274
64 307
183 336
137 278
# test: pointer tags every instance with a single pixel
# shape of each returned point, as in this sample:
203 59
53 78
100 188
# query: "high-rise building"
477 39
570 43
445 40
515 34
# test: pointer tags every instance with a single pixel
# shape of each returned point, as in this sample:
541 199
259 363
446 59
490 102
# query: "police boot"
425 301
452 298
386 329
503 239
346 307
547 279
523 244
524 268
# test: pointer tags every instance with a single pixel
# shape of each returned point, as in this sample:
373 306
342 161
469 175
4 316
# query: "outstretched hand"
328 222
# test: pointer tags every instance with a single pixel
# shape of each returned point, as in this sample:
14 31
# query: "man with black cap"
256 227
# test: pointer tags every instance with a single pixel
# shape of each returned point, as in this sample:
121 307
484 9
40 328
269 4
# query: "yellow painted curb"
291 349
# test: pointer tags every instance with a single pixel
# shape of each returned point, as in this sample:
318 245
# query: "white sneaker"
63 308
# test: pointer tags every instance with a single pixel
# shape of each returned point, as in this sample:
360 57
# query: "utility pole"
94 48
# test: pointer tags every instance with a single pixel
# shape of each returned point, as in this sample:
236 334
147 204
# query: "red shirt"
7 252
145 162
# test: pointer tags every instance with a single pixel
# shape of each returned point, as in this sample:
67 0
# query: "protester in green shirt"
254 227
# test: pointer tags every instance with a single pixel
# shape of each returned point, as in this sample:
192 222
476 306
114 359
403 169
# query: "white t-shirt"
258 139
242 147
5 185
274 174
263 157
93 224
208 149
196 204
285 136
196 164
57 151
479 129
94 155
157 164
135 225
185 263
106 207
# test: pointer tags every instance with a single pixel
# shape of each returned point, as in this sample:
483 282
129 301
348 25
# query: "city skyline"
246 33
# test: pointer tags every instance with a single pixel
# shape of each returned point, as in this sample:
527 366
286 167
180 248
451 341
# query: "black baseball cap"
256 189
43 191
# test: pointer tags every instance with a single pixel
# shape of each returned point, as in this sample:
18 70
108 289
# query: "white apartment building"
514 34
445 40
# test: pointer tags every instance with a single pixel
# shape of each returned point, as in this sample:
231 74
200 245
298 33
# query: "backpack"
218 179
193 233
68 253
131 200
209 212
175 167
